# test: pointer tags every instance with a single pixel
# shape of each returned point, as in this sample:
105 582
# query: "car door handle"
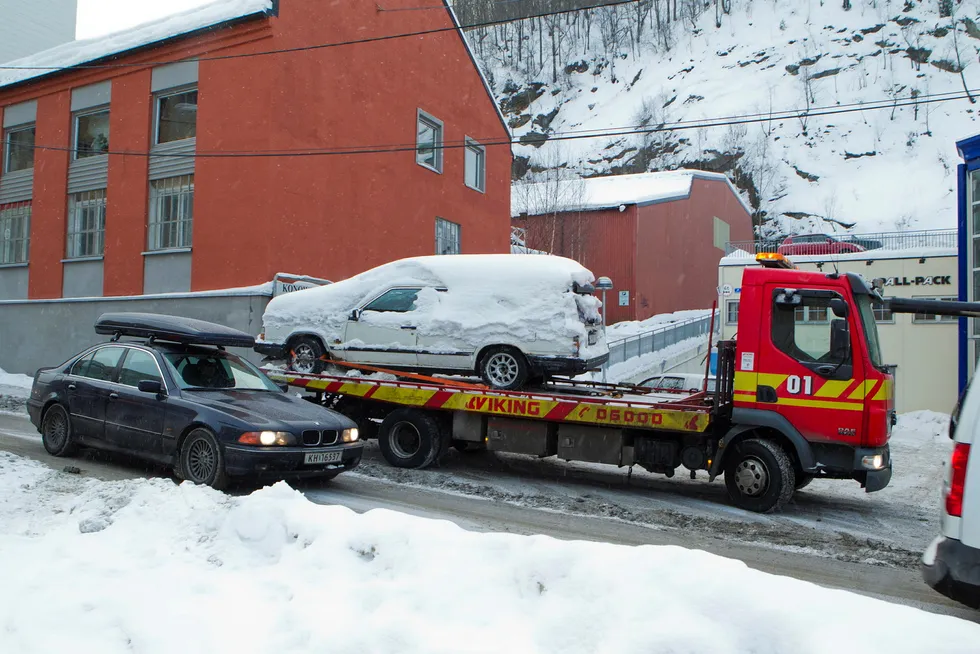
825 370
113 396
71 387
409 327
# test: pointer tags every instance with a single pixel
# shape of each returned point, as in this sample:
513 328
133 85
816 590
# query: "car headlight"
350 435
267 438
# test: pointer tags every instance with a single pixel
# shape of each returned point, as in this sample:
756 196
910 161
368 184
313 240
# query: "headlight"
350 435
873 462
267 438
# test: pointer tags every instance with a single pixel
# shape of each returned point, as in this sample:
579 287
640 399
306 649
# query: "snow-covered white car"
509 318
951 564
679 382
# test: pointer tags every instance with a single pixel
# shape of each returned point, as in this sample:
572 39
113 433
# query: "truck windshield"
870 328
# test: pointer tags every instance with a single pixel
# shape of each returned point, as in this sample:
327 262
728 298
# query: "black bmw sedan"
209 414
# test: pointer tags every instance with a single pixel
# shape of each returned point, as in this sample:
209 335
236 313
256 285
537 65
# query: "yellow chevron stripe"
746 381
885 391
833 388
773 380
821 404
862 389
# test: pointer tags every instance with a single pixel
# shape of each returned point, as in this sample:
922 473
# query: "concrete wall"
82 279
29 26
167 272
926 353
41 333
13 282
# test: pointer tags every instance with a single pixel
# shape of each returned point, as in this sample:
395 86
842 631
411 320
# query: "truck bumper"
565 365
953 569
873 467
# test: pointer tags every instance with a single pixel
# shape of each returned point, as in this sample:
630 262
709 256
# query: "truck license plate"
321 457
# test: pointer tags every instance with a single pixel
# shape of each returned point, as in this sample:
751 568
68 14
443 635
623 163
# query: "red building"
658 236
216 147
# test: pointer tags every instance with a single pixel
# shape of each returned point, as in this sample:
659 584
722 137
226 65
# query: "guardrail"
661 337
928 238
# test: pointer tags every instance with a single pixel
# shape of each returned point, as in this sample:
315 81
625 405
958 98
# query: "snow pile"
15 384
489 299
608 192
87 50
154 567
628 328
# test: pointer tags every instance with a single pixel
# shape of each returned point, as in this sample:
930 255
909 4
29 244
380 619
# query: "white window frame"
423 117
473 147
76 204
180 187
8 147
454 229
75 121
935 319
158 103
728 308
882 321
16 248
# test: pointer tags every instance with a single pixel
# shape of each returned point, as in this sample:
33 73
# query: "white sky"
99 17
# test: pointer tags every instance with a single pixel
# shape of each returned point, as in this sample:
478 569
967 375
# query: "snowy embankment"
629 328
14 390
153 567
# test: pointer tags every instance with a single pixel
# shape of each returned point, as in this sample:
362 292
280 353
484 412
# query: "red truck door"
808 366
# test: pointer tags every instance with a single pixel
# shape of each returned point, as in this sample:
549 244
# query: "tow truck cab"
809 372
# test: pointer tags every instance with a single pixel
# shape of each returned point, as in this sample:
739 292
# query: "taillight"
957 479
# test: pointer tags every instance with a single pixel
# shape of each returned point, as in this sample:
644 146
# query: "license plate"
321 457
593 338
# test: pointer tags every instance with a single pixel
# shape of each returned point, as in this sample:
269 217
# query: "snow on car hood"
502 298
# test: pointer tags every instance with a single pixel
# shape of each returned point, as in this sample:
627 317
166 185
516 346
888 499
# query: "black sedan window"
100 365
217 371
139 366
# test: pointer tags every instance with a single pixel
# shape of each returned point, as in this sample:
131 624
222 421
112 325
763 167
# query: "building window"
930 318
177 116
731 312
722 233
447 237
811 314
15 232
86 224
428 149
882 312
18 149
476 166
92 134
171 212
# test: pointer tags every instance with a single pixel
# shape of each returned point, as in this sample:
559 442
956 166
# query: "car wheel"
201 460
306 355
759 475
56 432
410 438
504 368
803 480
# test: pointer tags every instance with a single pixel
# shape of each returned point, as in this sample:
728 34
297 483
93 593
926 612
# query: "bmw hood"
269 410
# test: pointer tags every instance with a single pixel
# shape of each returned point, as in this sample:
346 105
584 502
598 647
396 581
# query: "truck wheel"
306 355
410 438
504 368
759 475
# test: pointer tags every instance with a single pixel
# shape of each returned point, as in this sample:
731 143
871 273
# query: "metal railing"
930 238
661 337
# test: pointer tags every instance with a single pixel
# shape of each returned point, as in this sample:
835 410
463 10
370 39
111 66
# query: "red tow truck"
794 400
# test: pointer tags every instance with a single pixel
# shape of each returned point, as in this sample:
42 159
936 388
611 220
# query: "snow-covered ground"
149 566
14 390
628 328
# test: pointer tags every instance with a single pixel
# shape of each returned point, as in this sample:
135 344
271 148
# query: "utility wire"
320 46
705 123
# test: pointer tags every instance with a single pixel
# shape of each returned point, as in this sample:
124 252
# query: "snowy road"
523 496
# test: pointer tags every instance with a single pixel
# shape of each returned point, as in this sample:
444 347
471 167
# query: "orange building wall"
327 216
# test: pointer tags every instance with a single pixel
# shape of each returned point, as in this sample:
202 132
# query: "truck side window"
804 331
398 300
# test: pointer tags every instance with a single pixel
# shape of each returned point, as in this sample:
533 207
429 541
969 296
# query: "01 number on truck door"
793 383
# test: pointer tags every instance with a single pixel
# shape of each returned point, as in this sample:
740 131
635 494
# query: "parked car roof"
175 329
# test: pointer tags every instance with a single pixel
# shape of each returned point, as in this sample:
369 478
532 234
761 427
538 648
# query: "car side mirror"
840 340
839 307
355 315
152 386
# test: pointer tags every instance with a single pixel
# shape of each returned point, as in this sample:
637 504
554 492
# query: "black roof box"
171 328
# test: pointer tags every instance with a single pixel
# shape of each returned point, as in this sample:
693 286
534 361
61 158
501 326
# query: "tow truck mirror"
840 340
355 315
878 284
789 298
839 307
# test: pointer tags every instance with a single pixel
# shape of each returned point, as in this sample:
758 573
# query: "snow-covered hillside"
635 65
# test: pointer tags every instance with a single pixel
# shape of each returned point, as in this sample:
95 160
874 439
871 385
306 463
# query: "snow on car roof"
86 51
595 193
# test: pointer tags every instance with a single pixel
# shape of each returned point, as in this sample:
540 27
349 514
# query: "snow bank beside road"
155 567
14 382
630 328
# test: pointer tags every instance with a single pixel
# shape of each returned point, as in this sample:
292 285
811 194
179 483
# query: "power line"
706 123
320 46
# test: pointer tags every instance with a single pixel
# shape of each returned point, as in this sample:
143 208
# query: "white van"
951 564
508 318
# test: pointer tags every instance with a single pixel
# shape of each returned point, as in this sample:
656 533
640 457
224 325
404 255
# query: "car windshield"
216 370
